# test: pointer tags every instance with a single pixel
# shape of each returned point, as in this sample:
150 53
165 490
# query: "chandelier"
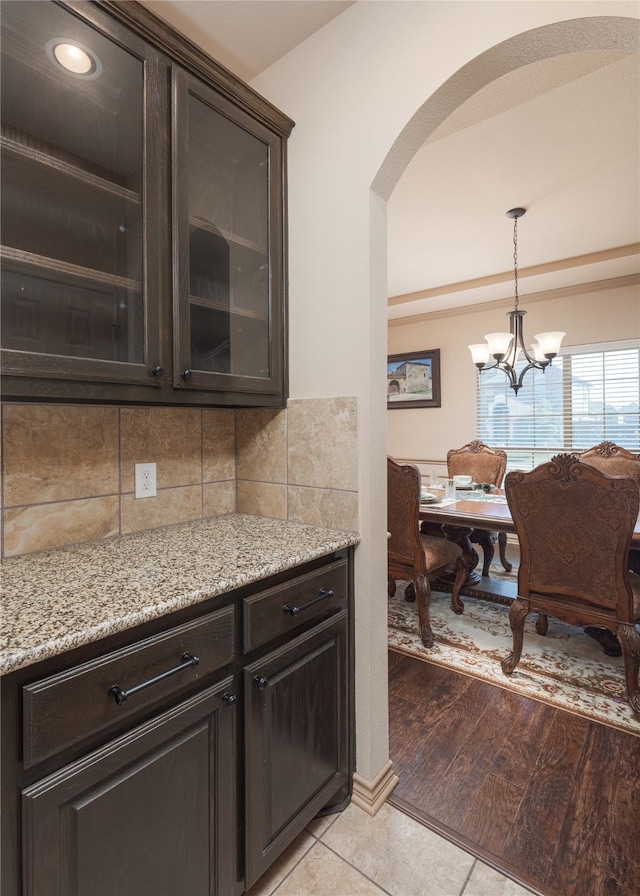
505 348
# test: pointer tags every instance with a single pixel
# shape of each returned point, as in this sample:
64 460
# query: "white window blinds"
589 394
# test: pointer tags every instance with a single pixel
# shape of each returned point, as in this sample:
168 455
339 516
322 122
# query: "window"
589 394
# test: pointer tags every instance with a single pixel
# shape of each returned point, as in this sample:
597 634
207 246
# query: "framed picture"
413 380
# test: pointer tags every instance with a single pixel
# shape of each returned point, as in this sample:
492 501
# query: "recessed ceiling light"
74 57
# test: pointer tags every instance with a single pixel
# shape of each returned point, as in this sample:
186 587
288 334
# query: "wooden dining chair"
574 524
486 465
615 461
411 555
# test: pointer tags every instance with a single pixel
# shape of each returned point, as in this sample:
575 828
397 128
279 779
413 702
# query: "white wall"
360 92
428 433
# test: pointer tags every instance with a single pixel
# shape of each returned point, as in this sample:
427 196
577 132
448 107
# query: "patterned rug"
565 668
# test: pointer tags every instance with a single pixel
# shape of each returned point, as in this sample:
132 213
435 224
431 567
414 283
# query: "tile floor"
354 854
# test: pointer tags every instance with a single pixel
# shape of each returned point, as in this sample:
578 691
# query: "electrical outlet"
145 480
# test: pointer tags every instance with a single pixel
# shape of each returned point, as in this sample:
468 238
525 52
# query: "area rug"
565 668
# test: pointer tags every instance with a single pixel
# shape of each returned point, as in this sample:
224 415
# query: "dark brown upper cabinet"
143 216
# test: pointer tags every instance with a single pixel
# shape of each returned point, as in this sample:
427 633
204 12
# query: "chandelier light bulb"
550 342
479 353
499 343
537 353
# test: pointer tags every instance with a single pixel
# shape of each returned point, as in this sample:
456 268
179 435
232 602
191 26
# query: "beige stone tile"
324 507
317 826
57 453
218 498
484 881
169 437
323 442
262 499
218 445
43 526
385 846
282 866
262 445
171 505
322 873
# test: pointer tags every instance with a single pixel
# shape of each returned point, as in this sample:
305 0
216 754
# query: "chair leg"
630 642
391 586
502 547
518 612
461 576
423 599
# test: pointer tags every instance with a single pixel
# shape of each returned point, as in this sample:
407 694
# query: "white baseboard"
370 795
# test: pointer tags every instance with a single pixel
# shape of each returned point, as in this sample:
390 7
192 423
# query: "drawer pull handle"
323 594
261 682
229 699
188 662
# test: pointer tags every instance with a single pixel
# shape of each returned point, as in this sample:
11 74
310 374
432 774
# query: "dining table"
471 509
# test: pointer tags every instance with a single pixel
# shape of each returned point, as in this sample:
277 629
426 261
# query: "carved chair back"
483 464
414 556
612 459
574 524
403 519
478 460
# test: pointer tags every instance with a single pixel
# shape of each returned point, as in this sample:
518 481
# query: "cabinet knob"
186 375
260 682
157 371
229 699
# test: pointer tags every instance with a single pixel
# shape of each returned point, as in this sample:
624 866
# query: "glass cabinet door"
75 271
228 291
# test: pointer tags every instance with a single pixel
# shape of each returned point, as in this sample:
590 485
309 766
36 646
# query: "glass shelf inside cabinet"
72 166
228 245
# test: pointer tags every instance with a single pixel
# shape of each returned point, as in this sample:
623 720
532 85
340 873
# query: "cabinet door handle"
323 594
188 661
229 699
157 371
261 682
186 375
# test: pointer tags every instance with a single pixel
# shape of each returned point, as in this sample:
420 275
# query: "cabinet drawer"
66 708
287 607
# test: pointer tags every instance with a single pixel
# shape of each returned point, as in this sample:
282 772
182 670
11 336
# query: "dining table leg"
460 535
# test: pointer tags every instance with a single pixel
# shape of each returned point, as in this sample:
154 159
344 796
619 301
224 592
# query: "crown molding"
506 276
543 296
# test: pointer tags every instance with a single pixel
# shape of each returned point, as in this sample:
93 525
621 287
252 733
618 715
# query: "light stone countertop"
56 600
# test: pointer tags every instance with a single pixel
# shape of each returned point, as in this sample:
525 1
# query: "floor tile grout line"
359 870
293 868
468 878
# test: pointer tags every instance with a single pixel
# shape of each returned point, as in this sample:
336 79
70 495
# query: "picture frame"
413 379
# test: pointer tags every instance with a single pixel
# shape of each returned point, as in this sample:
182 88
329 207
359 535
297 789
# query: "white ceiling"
560 138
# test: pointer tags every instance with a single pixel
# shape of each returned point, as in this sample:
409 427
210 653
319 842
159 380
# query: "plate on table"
428 498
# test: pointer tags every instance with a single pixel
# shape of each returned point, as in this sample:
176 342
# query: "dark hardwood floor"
549 798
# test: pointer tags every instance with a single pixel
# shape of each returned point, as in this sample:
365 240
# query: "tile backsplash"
68 470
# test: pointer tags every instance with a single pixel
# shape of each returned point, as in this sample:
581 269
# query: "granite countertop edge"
54 601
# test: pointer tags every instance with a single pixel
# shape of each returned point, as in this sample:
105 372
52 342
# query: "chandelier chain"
515 260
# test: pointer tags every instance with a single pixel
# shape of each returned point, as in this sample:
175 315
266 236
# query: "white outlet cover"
145 480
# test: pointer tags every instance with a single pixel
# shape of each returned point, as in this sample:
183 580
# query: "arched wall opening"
553 40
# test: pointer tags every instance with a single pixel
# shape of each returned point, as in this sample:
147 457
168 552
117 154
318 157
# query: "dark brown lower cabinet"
296 738
130 769
151 813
